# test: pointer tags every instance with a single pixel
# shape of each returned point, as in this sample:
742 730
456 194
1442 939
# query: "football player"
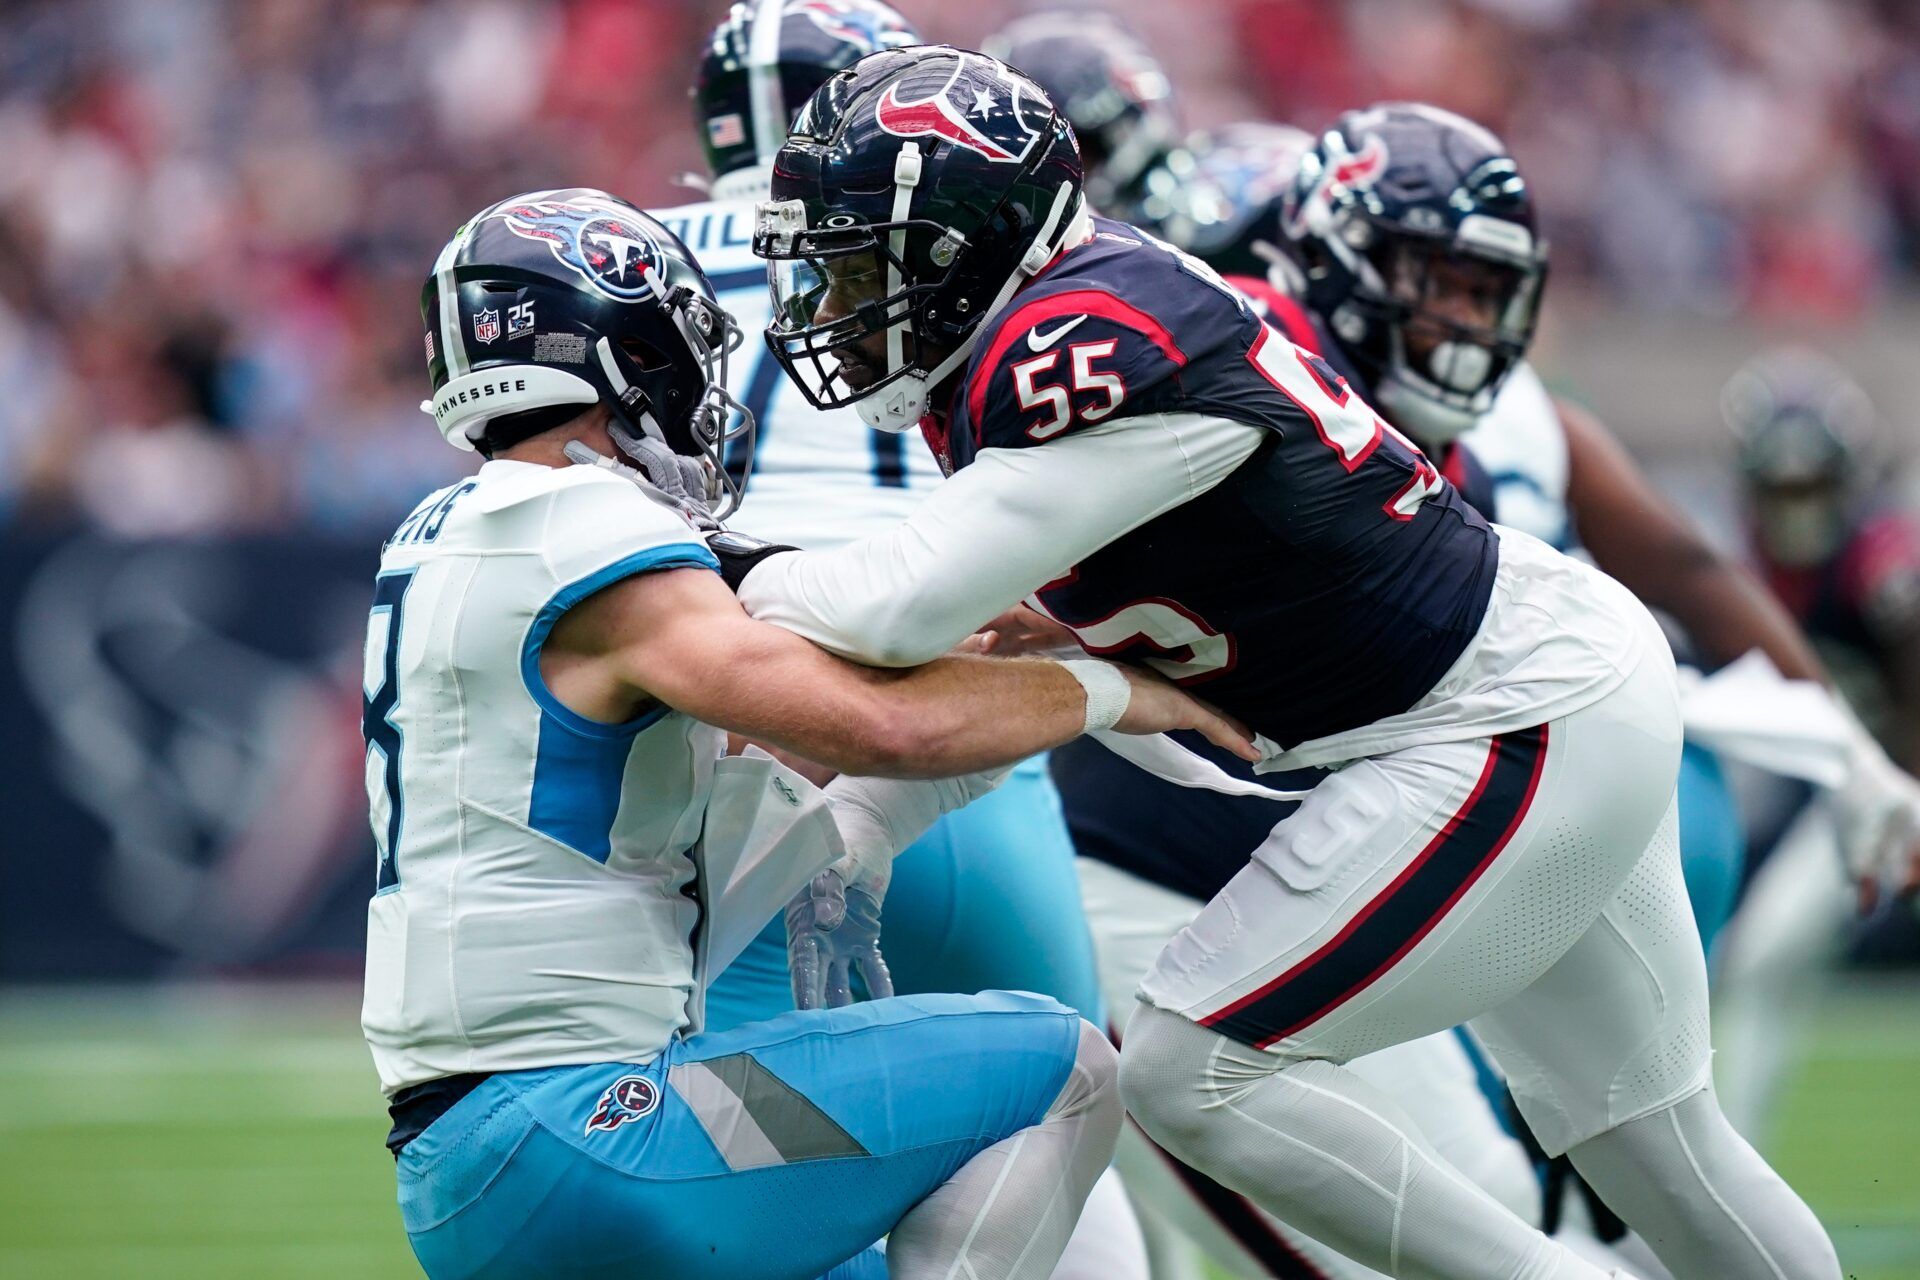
1843 554
1134 452
552 661
988 899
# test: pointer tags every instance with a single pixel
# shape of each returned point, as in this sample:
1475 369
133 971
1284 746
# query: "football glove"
833 932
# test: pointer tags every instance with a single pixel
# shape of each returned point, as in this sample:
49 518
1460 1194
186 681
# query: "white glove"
833 932
1877 810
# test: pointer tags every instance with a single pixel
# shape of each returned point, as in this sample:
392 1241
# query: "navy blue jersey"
1306 329
1328 583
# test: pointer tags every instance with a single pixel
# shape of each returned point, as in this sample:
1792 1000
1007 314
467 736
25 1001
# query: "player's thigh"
1414 890
776 1149
1617 1028
989 900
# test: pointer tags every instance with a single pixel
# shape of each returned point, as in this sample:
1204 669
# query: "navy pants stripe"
1394 921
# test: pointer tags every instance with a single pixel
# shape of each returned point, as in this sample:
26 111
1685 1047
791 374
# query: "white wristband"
1108 692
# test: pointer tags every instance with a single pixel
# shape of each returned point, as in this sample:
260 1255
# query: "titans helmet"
918 190
1417 238
553 301
1230 200
765 59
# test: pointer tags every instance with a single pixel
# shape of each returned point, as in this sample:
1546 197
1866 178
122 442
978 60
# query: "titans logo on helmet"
628 1098
602 247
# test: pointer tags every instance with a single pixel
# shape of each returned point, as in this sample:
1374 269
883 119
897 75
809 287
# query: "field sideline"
217 1133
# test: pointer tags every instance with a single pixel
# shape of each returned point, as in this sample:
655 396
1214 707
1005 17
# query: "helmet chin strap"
901 404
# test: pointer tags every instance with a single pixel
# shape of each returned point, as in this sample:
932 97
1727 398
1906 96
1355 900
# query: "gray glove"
833 931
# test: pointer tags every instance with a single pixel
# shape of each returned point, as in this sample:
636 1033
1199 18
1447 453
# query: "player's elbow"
906 631
889 739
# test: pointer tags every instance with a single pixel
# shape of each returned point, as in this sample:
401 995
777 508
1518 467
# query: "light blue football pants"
773 1151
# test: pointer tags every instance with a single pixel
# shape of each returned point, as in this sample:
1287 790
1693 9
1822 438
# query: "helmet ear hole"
644 354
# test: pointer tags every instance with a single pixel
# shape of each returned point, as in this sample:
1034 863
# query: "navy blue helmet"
767 57
1417 238
917 191
553 301
1114 94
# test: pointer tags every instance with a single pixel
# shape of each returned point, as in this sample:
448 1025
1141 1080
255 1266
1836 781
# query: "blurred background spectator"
214 216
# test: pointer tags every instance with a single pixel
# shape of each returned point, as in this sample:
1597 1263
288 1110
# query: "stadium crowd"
215 216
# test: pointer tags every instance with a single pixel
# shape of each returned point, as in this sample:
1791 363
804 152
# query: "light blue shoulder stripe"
672 555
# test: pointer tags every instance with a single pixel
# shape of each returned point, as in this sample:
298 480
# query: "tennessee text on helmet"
919 190
553 301
763 61
1416 235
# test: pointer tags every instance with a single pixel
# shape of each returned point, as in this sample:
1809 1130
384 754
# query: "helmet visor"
843 313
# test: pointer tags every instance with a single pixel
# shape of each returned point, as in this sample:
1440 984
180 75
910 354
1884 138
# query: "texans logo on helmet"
605 249
859 24
1355 172
628 1098
943 117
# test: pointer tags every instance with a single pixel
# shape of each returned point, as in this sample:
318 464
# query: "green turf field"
231 1134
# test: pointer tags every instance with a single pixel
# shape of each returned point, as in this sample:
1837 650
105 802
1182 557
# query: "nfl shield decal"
486 326
628 1098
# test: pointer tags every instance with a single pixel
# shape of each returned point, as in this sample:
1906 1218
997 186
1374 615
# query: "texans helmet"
1801 428
1114 94
764 60
919 189
553 301
1417 238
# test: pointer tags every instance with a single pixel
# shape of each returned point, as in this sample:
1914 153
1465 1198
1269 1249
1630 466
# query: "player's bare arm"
680 638
1636 535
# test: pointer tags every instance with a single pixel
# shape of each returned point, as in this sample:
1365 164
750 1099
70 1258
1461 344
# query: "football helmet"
1417 238
1229 208
552 301
1114 94
1801 427
918 190
763 61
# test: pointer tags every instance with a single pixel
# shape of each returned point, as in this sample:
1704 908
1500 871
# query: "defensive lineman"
1178 481
551 659
988 898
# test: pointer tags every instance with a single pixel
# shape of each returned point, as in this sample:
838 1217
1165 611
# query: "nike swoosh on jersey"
1037 341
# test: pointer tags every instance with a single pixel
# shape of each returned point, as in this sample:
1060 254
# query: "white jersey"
536 898
819 479
1523 446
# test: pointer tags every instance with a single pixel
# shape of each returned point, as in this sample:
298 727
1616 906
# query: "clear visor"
837 328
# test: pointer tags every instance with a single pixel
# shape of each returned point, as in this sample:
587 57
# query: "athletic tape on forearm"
1108 692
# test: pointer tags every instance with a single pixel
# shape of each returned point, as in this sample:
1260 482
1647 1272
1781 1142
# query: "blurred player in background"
1842 551
553 661
988 899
